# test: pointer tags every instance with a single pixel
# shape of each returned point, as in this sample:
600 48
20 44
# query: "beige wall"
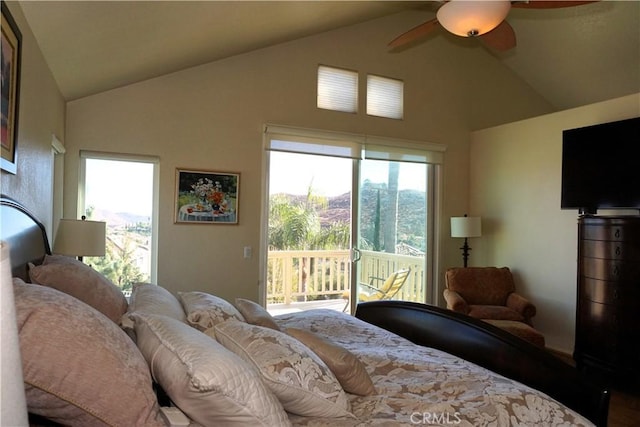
40 116
210 117
515 186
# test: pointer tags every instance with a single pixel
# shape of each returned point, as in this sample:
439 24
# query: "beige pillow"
77 279
255 314
80 368
347 368
153 299
204 310
302 382
206 381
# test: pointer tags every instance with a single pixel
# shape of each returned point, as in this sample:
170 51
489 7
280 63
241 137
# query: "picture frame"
11 49
206 197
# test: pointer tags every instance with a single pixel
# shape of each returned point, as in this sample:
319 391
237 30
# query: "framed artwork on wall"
206 197
11 56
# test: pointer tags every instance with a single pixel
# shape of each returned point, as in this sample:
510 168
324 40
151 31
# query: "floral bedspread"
423 386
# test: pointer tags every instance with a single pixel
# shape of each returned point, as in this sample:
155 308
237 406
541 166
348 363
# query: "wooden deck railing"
295 276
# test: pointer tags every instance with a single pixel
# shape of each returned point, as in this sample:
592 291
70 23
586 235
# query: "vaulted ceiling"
571 56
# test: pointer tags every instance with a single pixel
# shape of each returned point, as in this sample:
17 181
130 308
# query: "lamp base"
465 252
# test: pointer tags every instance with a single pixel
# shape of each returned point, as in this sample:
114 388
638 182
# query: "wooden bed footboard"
492 348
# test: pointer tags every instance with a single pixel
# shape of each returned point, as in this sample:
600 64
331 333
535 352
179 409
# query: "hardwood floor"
624 407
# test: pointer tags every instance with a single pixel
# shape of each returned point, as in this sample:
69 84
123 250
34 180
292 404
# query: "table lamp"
466 226
80 238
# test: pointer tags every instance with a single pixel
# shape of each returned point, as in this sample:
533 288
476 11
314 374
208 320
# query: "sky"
119 186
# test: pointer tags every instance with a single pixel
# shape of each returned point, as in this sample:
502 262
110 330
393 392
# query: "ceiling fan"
484 19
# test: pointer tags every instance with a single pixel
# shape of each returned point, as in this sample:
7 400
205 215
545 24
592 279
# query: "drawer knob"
617 232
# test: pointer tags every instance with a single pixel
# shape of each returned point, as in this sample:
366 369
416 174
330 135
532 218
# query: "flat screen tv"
601 167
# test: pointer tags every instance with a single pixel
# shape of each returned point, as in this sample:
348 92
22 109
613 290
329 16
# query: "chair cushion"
494 312
481 285
521 330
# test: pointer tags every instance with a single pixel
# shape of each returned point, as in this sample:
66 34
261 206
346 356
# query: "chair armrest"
455 302
522 305
370 288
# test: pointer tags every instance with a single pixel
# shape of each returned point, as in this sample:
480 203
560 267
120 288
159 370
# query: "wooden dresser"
608 306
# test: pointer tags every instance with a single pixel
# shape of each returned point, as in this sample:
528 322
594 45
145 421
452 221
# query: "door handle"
355 255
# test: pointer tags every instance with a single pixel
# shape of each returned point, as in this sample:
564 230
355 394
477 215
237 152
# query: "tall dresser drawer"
608 305
611 270
604 334
609 292
629 250
615 230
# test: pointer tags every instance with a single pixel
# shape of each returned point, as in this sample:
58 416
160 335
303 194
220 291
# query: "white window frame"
155 161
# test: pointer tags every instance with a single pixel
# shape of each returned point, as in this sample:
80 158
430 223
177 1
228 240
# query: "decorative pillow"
347 368
204 310
153 299
80 368
255 314
302 382
206 381
77 279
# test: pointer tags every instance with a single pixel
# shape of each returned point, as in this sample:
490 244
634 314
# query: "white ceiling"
572 56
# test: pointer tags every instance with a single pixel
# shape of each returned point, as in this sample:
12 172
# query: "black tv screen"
601 167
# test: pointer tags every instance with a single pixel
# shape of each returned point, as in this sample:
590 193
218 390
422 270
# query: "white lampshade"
468 18
80 238
466 226
13 407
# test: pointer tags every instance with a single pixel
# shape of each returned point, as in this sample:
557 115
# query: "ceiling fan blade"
414 33
501 38
548 4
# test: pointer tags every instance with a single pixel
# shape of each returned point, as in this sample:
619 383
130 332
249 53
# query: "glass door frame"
433 197
432 215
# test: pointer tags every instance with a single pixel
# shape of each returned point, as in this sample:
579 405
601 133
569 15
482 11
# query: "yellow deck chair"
388 289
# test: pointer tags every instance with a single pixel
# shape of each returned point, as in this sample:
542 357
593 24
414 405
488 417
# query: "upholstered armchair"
486 293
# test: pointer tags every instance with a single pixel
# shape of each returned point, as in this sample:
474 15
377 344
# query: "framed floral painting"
11 43
206 197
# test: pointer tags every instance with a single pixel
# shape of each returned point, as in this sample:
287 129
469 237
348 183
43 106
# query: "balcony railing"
300 276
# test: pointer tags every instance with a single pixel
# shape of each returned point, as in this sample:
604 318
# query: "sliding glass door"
392 232
348 219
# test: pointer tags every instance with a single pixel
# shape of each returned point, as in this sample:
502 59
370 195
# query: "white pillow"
302 382
204 310
210 384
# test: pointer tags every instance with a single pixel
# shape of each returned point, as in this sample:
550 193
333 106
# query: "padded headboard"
25 235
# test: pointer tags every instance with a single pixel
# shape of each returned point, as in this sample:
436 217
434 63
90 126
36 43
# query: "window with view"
121 190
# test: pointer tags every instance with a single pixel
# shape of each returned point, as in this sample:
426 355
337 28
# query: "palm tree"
294 224
391 209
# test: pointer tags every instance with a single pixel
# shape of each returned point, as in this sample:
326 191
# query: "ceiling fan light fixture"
469 18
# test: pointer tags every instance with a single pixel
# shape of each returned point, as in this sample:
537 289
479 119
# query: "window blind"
310 141
385 97
350 145
337 89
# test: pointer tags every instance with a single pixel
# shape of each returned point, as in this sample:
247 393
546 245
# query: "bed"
209 361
